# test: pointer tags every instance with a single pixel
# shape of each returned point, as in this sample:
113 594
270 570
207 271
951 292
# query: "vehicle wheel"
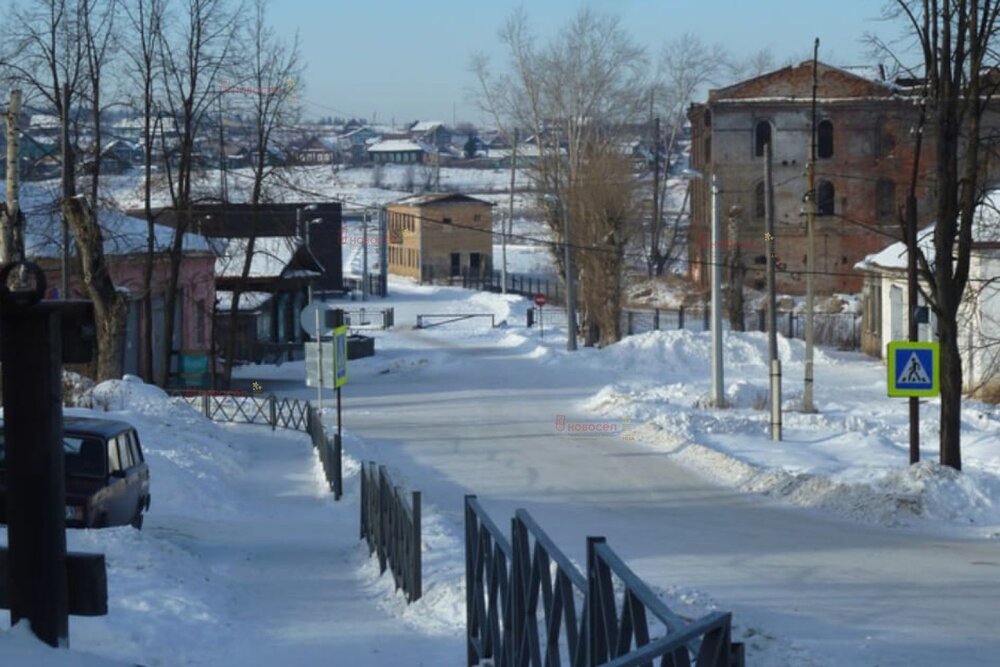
137 520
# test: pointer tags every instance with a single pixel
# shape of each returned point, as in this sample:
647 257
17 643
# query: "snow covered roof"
435 197
271 256
894 257
426 126
985 229
396 145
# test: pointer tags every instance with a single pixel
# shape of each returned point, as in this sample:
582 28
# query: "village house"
864 152
397 151
886 312
438 237
125 240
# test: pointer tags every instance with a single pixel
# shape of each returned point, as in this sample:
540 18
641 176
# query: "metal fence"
239 408
527 604
390 524
842 330
331 453
429 320
369 318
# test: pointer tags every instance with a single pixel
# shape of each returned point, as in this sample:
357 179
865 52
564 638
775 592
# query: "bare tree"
145 23
272 71
193 57
687 65
576 95
955 41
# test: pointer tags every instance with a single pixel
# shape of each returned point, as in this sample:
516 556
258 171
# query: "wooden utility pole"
8 231
807 392
654 232
68 190
510 213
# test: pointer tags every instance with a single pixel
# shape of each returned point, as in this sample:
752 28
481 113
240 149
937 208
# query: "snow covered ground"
827 547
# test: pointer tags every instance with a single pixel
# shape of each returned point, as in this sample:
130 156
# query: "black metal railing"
523 597
428 320
390 524
270 410
330 450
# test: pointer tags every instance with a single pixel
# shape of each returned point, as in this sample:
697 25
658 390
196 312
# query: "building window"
199 318
824 198
759 209
885 140
446 221
707 118
708 148
885 199
761 136
824 140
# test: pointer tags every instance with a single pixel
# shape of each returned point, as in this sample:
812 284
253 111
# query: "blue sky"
409 59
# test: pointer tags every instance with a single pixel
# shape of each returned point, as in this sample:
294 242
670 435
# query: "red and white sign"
540 299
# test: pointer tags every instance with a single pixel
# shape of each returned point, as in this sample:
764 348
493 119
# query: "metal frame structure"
390 524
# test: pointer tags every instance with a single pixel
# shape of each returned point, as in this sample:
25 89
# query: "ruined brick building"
865 151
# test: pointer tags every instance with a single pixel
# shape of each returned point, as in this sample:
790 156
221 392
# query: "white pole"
718 399
364 258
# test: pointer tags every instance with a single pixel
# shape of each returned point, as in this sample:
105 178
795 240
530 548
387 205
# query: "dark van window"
83 456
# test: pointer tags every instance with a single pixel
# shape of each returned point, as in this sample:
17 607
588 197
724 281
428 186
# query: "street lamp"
718 398
568 265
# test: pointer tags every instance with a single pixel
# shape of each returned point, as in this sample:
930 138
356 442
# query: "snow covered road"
454 418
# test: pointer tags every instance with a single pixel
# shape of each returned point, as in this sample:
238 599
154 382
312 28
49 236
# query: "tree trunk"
734 300
110 307
951 393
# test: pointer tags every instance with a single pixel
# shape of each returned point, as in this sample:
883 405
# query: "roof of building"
422 126
427 199
397 145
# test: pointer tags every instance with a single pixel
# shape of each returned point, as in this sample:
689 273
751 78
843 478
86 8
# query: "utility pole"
510 213
67 191
654 231
8 249
807 392
911 277
718 400
772 310
364 256
223 186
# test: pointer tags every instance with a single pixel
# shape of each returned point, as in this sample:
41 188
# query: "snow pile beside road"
849 458
18 646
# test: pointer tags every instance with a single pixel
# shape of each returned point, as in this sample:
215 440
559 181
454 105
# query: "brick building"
434 237
865 153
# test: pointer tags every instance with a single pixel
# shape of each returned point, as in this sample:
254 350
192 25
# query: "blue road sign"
914 369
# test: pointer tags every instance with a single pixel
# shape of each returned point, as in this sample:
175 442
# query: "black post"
791 324
705 314
36 497
912 331
680 318
592 604
656 319
340 430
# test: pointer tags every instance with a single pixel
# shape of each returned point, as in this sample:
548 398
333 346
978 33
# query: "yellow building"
440 237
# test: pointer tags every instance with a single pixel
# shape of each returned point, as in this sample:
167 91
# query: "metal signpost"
339 365
540 301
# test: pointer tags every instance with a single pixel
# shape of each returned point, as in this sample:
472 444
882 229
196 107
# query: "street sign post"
914 369
340 356
540 301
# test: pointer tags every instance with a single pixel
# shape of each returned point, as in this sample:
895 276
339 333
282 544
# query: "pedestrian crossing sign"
914 369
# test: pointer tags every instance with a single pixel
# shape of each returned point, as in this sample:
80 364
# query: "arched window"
761 136
885 200
824 198
885 140
707 118
824 140
759 209
708 148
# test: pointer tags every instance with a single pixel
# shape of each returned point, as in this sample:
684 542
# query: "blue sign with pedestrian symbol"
914 369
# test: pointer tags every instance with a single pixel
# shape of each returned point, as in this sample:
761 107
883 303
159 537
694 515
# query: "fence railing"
836 329
428 320
270 410
331 453
390 524
523 597
369 318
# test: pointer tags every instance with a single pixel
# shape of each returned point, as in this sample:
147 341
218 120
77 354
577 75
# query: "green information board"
339 357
